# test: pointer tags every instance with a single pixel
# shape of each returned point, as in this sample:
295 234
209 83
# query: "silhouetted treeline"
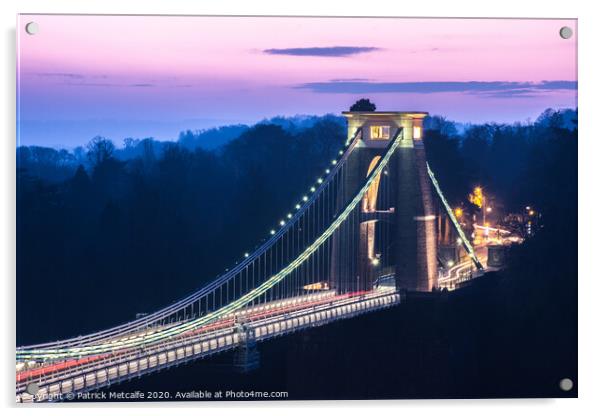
56 165
510 161
104 233
116 237
523 322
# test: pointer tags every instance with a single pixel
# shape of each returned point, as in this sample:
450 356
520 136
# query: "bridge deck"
107 370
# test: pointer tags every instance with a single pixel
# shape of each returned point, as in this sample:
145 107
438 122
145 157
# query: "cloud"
67 75
91 80
426 50
108 85
328 51
350 79
520 93
491 88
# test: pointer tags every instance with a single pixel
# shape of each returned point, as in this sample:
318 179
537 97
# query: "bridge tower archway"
409 212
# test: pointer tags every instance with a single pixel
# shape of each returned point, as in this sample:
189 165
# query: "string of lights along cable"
293 263
339 250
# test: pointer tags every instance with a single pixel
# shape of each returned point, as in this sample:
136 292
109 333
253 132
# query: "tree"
130 143
79 153
100 149
441 125
80 180
363 104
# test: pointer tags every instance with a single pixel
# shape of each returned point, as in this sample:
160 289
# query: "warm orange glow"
317 286
369 205
371 195
477 197
417 132
379 132
458 212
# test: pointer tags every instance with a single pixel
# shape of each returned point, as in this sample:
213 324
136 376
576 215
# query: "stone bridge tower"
413 215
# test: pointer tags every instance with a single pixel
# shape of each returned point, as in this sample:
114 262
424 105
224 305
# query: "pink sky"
196 72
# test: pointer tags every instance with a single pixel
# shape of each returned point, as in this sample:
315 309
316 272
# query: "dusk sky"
142 76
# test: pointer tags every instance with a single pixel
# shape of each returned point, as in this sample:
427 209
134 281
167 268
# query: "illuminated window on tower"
379 132
417 132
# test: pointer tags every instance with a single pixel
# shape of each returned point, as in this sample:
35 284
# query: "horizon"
77 80
119 141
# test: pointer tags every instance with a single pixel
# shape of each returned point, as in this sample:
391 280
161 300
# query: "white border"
590 288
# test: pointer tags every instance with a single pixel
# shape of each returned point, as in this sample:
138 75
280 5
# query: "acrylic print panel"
254 208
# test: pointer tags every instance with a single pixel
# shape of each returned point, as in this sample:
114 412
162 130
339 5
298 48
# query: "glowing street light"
476 197
458 212
375 261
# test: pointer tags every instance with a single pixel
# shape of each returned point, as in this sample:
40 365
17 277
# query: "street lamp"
477 197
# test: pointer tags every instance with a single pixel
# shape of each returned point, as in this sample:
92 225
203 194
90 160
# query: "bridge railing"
299 243
210 296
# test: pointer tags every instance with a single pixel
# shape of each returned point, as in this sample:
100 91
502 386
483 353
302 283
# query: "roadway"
54 379
463 270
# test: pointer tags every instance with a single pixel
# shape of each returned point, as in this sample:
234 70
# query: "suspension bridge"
366 232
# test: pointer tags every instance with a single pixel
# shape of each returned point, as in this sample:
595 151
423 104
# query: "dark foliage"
210 138
101 238
116 237
518 332
363 104
507 160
